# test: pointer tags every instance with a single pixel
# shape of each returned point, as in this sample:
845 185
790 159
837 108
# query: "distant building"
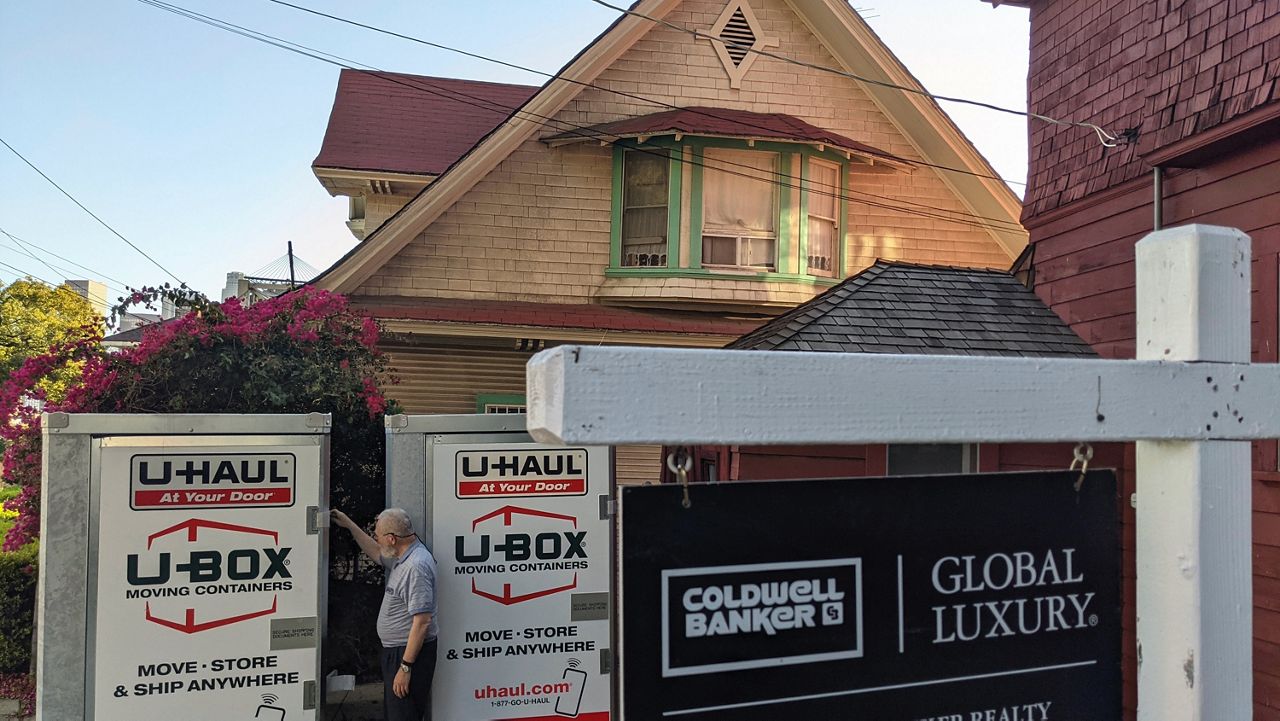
99 298
277 277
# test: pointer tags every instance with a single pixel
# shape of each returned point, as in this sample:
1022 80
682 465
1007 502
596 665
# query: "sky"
196 144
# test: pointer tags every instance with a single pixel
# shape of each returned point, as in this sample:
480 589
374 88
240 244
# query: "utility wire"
57 270
24 274
560 125
102 222
1108 140
26 243
584 132
561 76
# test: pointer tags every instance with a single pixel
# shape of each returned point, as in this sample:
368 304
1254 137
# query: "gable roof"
724 122
401 123
922 309
833 22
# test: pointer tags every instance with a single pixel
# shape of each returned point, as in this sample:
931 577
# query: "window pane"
822 235
644 178
644 225
644 209
738 193
757 252
926 458
719 250
824 186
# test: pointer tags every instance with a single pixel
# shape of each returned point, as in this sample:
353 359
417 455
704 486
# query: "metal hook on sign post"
680 462
1081 455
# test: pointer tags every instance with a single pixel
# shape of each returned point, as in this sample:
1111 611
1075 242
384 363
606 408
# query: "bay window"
747 210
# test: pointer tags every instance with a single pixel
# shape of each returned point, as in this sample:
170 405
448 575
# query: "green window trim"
790 267
499 399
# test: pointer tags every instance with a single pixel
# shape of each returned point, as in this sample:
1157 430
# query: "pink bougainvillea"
301 352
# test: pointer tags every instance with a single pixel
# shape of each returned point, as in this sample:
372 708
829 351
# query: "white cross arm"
614 395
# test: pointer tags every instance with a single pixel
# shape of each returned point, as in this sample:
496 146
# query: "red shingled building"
1197 85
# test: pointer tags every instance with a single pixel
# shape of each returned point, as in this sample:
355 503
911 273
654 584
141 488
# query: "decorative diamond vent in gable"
735 35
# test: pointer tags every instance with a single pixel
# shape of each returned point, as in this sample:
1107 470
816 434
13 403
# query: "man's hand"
401 684
340 518
363 540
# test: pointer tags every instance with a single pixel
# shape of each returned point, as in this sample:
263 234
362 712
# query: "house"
671 186
1197 87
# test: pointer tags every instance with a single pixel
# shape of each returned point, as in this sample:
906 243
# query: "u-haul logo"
522 473
225 480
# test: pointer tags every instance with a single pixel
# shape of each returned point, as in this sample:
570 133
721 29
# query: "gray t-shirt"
411 589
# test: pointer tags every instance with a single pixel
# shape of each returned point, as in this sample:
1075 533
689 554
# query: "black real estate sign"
934 598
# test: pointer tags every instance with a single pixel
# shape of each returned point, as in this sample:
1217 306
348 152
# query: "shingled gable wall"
537 227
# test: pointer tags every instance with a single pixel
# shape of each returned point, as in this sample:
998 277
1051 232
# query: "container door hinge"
308 694
606 661
607 507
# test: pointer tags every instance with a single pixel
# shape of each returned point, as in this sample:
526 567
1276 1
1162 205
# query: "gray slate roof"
922 309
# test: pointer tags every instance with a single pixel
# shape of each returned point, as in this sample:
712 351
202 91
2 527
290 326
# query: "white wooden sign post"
1191 400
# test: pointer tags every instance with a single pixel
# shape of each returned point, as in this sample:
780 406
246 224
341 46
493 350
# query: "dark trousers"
416 705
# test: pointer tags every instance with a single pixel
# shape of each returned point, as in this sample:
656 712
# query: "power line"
1108 140
59 271
28 244
560 125
102 222
943 214
561 76
24 274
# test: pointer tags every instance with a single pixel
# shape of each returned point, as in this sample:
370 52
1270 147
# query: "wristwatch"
406 666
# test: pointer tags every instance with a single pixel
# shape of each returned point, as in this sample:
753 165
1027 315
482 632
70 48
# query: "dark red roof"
557 315
725 123
411 123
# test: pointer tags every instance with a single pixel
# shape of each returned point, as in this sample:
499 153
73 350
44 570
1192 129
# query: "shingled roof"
725 123
922 309
414 124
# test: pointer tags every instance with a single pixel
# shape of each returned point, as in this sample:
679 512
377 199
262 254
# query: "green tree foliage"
35 317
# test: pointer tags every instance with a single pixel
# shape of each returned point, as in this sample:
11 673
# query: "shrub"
17 607
22 687
7 517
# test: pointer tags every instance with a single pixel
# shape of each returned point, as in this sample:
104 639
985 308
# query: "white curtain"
739 189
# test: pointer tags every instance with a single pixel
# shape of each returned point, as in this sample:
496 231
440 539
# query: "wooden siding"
537 227
436 379
1171 68
637 465
445 379
1084 270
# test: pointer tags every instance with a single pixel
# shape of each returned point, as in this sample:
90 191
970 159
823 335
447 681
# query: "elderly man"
406 621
